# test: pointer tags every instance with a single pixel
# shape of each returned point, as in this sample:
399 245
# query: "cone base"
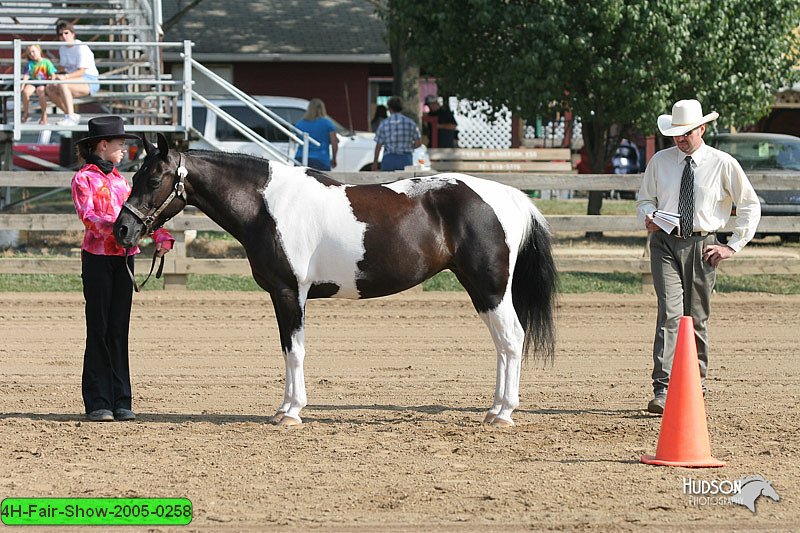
710 462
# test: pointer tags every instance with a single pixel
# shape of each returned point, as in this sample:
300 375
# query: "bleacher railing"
161 89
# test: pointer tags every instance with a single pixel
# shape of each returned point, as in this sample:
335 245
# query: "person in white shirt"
700 183
77 62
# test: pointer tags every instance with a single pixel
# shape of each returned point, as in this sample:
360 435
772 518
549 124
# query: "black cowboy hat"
110 127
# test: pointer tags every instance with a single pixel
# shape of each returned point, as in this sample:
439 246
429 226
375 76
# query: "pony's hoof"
489 418
502 423
287 420
277 417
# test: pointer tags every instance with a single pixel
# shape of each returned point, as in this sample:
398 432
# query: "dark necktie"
686 200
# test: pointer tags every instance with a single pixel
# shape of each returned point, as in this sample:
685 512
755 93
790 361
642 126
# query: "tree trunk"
406 78
595 140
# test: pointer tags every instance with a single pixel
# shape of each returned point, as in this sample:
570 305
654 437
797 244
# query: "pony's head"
157 194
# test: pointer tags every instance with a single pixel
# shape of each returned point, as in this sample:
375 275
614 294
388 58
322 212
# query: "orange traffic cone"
683 440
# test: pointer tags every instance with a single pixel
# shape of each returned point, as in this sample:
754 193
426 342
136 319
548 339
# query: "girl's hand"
161 249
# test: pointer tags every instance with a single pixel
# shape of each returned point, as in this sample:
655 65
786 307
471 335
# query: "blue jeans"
396 161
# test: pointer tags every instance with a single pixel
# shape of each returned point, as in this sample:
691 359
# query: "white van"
356 149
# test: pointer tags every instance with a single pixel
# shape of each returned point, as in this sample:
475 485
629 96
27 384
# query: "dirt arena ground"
392 440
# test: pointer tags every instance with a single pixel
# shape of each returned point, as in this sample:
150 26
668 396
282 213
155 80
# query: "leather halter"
179 191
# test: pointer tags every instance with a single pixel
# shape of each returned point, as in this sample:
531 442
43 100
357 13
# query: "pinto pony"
309 236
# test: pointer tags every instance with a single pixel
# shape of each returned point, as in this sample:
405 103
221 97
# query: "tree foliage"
406 69
616 64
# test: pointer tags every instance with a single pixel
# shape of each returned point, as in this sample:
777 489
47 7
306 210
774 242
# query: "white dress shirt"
719 182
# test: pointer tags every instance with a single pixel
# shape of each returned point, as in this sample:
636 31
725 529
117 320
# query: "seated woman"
77 61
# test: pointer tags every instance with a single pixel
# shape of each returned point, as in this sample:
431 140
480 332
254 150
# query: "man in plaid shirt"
398 135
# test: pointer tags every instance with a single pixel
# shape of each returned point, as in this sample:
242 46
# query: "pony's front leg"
289 312
295 390
287 393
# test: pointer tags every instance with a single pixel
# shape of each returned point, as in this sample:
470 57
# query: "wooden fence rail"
178 266
520 180
558 223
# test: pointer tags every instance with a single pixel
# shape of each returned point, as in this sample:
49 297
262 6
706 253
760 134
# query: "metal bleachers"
124 36
126 39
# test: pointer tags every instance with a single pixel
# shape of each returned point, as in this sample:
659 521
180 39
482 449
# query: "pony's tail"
533 289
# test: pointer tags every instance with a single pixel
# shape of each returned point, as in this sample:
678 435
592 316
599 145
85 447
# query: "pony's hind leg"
508 337
499 388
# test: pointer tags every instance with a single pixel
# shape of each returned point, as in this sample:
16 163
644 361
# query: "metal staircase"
126 39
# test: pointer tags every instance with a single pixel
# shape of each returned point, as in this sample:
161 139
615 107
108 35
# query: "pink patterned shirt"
98 200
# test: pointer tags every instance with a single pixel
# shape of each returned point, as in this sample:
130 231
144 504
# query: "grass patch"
443 281
629 283
58 283
40 283
219 282
569 283
770 283
577 206
612 282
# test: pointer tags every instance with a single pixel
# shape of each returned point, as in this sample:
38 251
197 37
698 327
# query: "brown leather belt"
674 233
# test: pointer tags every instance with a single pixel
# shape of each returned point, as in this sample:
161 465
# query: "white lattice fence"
553 133
475 130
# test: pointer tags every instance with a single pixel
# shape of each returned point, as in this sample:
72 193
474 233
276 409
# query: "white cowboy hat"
686 116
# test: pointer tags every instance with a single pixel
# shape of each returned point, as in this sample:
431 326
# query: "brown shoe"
656 405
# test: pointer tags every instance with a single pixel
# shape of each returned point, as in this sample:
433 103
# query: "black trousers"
108 291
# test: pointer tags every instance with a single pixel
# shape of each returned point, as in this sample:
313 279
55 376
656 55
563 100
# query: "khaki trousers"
683 284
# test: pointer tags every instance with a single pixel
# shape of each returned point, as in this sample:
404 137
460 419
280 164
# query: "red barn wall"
312 80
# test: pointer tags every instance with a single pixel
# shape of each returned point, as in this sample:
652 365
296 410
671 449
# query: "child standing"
38 68
99 191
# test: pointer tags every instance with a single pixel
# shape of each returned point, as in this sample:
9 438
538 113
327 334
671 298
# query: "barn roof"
275 30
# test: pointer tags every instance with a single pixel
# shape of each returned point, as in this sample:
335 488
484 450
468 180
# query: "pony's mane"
250 165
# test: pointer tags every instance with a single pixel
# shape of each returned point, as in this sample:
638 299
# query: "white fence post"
17 89
187 87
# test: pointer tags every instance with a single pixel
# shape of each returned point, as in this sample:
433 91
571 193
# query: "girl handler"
99 191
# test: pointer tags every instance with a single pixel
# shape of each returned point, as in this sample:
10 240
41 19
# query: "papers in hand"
667 221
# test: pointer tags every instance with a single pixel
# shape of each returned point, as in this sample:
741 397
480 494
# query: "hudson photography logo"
744 491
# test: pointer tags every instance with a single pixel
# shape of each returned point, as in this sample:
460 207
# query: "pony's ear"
163 146
148 146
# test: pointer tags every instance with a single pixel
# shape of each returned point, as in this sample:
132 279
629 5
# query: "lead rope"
160 270
179 191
